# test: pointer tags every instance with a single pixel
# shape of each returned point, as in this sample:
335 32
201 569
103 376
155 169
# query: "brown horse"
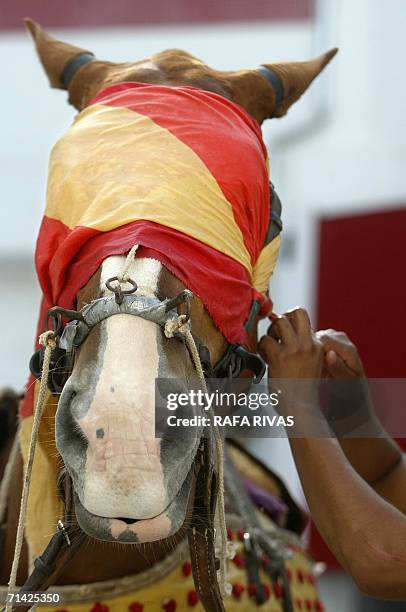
128 486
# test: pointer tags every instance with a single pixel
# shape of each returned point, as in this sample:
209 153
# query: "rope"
47 339
124 276
180 325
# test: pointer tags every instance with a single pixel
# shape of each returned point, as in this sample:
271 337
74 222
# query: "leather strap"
255 542
201 532
275 224
55 556
73 66
276 82
60 550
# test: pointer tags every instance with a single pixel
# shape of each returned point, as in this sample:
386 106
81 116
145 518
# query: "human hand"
292 351
350 401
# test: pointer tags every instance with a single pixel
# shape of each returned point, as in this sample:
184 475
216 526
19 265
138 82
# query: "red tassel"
278 590
99 607
309 604
238 589
240 535
169 605
300 575
319 606
230 534
252 590
239 561
192 598
267 590
136 607
187 568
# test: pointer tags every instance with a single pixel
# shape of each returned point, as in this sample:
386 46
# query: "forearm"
365 533
372 458
366 444
392 486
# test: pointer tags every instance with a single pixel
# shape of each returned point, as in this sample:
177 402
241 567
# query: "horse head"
130 486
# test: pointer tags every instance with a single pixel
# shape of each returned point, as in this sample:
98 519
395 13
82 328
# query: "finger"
282 330
334 337
342 346
336 367
268 348
301 323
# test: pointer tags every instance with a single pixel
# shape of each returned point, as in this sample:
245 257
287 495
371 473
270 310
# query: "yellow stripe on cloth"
44 506
265 265
115 166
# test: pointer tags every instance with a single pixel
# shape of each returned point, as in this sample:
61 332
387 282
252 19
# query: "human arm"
377 459
365 532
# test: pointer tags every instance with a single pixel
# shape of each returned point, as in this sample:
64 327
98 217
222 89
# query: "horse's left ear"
69 67
53 54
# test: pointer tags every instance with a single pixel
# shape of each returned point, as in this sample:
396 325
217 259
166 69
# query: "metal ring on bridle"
116 289
184 297
56 313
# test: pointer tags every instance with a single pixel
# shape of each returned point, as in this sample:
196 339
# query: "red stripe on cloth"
66 259
220 282
223 135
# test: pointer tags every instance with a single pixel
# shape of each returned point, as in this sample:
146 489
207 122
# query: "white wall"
353 156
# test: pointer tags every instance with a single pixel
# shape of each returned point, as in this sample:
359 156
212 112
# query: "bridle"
70 329
68 338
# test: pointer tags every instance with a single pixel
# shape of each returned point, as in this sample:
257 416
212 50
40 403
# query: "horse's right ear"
55 55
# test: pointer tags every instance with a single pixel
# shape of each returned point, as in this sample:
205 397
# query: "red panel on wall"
79 13
362 286
362 291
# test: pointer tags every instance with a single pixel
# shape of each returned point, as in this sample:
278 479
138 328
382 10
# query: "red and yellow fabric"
180 171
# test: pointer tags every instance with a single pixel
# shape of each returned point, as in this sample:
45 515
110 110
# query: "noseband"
73 334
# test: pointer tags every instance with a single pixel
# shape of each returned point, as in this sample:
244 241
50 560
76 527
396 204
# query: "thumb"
336 367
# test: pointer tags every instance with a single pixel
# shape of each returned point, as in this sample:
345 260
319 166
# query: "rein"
207 531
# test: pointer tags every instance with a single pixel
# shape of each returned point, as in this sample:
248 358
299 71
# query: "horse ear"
295 78
53 54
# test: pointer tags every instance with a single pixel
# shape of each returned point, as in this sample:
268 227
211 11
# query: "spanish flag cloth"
180 171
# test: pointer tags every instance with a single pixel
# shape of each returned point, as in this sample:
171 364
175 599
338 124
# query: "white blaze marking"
145 272
123 469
